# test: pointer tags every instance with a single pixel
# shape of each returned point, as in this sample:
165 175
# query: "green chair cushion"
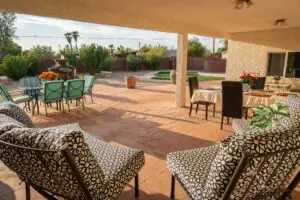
22 99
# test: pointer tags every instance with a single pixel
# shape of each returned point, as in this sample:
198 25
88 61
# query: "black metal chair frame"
199 102
51 195
238 172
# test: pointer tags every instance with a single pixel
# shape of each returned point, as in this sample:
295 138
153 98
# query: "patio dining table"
34 92
251 99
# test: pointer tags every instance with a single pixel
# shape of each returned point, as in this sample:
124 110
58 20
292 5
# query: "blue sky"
28 25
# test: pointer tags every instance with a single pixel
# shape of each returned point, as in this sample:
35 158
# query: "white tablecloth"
215 96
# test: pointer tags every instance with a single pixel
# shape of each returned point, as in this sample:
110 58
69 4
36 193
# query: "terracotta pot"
130 82
173 76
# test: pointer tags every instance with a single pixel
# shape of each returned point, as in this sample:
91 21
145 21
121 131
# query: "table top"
31 88
278 84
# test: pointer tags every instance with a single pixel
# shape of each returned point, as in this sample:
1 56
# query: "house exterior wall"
252 58
245 57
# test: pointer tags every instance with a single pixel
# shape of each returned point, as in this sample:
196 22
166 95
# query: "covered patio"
154 117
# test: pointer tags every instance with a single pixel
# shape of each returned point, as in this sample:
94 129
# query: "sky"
50 32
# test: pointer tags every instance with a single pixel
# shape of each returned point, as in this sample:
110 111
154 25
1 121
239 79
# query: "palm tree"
111 49
75 35
68 37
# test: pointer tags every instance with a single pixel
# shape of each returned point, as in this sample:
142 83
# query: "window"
293 65
284 64
276 64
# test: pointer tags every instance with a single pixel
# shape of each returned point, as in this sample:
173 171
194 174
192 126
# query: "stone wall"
245 57
251 58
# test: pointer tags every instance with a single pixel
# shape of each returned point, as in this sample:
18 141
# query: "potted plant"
130 81
248 81
276 79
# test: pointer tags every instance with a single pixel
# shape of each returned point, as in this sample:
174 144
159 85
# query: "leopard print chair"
241 126
65 161
258 164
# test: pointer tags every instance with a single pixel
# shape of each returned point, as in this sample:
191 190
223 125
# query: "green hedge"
14 67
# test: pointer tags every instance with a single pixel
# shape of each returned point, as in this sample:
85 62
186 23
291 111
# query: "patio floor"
143 118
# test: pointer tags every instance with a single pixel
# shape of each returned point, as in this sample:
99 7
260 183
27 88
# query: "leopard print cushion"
191 168
14 111
7 123
276 154
119 164
50 170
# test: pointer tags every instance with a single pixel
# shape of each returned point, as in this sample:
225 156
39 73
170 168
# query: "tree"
196 49
111 49
69 37
154 55
7 32
94 57
123 51
75 35
225 46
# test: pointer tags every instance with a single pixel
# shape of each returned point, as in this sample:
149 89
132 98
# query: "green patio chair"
74 91
30 82
88 86
53 93
20 99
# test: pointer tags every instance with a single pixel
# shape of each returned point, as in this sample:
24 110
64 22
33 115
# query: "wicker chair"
260 83
232 100
194 85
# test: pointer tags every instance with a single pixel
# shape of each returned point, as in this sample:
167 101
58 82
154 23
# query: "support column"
181 68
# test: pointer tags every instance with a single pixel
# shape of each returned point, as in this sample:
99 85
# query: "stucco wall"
246 57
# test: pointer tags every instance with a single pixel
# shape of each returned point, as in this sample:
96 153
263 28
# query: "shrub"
154 56
93 56
134 63
14 67
69 54
106 64
36 55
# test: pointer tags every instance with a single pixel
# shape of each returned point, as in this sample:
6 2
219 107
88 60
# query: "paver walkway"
143 118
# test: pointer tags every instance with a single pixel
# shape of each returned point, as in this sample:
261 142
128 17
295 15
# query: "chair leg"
68 105
227 120
172 196
136 186
62 104
197 107
27 190
92 97
46 109
83 103
206 111
191 108
56 105
28 104
222 119
214 110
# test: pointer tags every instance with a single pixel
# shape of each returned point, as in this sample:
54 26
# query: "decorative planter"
106 74
275 81
246 87
173 76
130 81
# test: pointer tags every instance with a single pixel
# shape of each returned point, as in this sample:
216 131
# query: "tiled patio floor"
143 118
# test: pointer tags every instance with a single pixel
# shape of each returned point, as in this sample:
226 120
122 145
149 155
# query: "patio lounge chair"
194 85
257 164
20 99
30 82
88 86
66 162
53 93
74 91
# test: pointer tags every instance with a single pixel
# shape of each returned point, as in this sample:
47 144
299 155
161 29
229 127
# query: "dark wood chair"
232 100
194 85
260 83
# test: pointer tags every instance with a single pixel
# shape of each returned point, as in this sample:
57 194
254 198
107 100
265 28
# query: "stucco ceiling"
217 18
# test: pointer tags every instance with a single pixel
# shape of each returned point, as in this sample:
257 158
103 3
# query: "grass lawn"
166 76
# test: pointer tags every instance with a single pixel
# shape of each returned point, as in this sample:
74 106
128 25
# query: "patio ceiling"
217 18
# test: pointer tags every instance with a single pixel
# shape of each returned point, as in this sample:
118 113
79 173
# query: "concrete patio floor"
143 118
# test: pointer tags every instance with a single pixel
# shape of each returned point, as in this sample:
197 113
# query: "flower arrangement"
248 79
47 76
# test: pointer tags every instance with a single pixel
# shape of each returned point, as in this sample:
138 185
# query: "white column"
181 68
